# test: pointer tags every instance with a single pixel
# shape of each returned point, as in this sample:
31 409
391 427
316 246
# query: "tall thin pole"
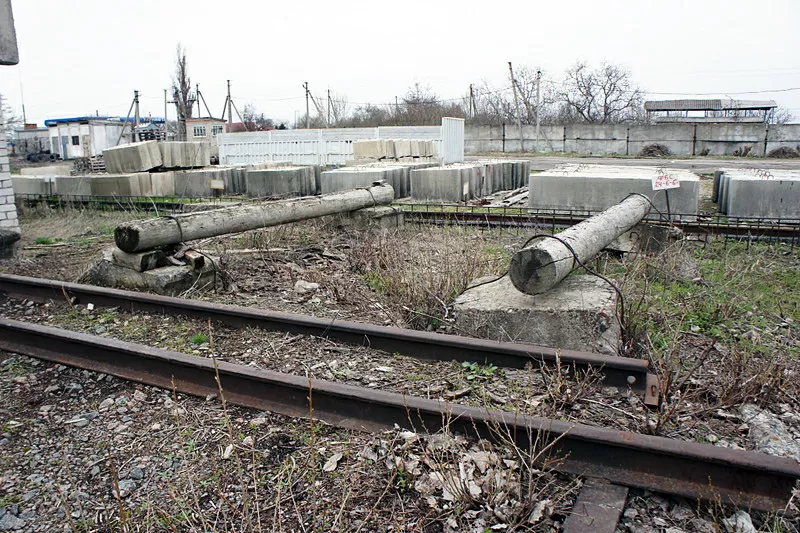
308 115
516 103
230 110
472 110
329 106
135 115
538 106
197 97
396 111
165 114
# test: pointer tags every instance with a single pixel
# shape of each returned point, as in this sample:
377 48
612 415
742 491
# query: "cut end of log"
126 238
533 271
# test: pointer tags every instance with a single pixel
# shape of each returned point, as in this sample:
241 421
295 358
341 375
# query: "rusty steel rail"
524 220
688 469
619 372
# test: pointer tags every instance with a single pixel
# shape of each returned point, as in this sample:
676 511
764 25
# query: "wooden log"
148 234
540 266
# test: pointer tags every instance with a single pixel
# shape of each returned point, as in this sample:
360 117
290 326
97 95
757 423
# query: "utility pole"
516 104
308 115
472 109
135 115
538 105
329 107
197 92
230 111
396 111
165 115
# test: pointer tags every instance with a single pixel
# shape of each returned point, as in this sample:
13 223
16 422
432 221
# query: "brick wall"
8 211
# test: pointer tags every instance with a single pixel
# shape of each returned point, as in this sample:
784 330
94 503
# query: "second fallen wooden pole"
142 235
540 266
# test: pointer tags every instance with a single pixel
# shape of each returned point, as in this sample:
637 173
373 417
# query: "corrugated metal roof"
142 120
707 105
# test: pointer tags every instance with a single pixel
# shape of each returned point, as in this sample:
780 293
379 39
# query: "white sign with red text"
663 181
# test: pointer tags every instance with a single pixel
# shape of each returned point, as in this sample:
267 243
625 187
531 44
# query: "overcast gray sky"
82 56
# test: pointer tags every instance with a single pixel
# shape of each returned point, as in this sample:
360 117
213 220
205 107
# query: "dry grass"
419 274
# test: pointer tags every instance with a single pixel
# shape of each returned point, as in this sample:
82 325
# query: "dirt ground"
84 452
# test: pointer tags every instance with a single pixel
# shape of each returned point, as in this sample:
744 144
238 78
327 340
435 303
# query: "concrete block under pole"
578 314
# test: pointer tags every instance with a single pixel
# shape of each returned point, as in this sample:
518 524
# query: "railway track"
715 226
620 372
611 460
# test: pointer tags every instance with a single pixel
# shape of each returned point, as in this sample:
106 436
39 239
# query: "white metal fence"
328 146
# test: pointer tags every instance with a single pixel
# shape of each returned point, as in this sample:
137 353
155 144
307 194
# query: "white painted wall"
324 146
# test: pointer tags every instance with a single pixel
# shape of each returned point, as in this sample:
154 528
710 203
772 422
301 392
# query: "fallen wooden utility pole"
540 266
142 235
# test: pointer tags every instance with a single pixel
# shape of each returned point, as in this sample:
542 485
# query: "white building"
88 136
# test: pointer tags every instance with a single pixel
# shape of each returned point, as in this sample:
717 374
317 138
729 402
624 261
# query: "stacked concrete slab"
24 185
281 181
393 149
463 181
134 157
396 174
578 187
185 154
137 184
67 186
759 193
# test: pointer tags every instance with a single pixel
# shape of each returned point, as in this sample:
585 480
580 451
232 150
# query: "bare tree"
781 115
255 120
182 94
496 105
605 95
9 120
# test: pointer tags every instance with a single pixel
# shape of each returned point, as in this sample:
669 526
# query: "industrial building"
88 136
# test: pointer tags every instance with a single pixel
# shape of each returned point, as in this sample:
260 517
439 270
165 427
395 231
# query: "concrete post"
143 235
540 266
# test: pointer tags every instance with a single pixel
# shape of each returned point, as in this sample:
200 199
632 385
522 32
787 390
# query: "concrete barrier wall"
602 139
785 136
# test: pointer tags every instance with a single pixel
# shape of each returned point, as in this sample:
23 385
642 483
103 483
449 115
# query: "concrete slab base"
578 314
168 280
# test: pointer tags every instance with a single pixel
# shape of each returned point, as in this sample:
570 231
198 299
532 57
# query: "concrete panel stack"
396 174
760 193
24 185
135 157
72 185
137 184
162 184
197 183
403 150
185 154
574 187
282 181
460 181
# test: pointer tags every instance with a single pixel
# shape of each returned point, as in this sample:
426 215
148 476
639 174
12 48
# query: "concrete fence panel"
783 136
726 139
596 138
678 138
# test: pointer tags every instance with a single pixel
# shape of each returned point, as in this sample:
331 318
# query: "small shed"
709 111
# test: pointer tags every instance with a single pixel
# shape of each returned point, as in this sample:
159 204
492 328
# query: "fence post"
766 138
694 139
627 140
504 137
